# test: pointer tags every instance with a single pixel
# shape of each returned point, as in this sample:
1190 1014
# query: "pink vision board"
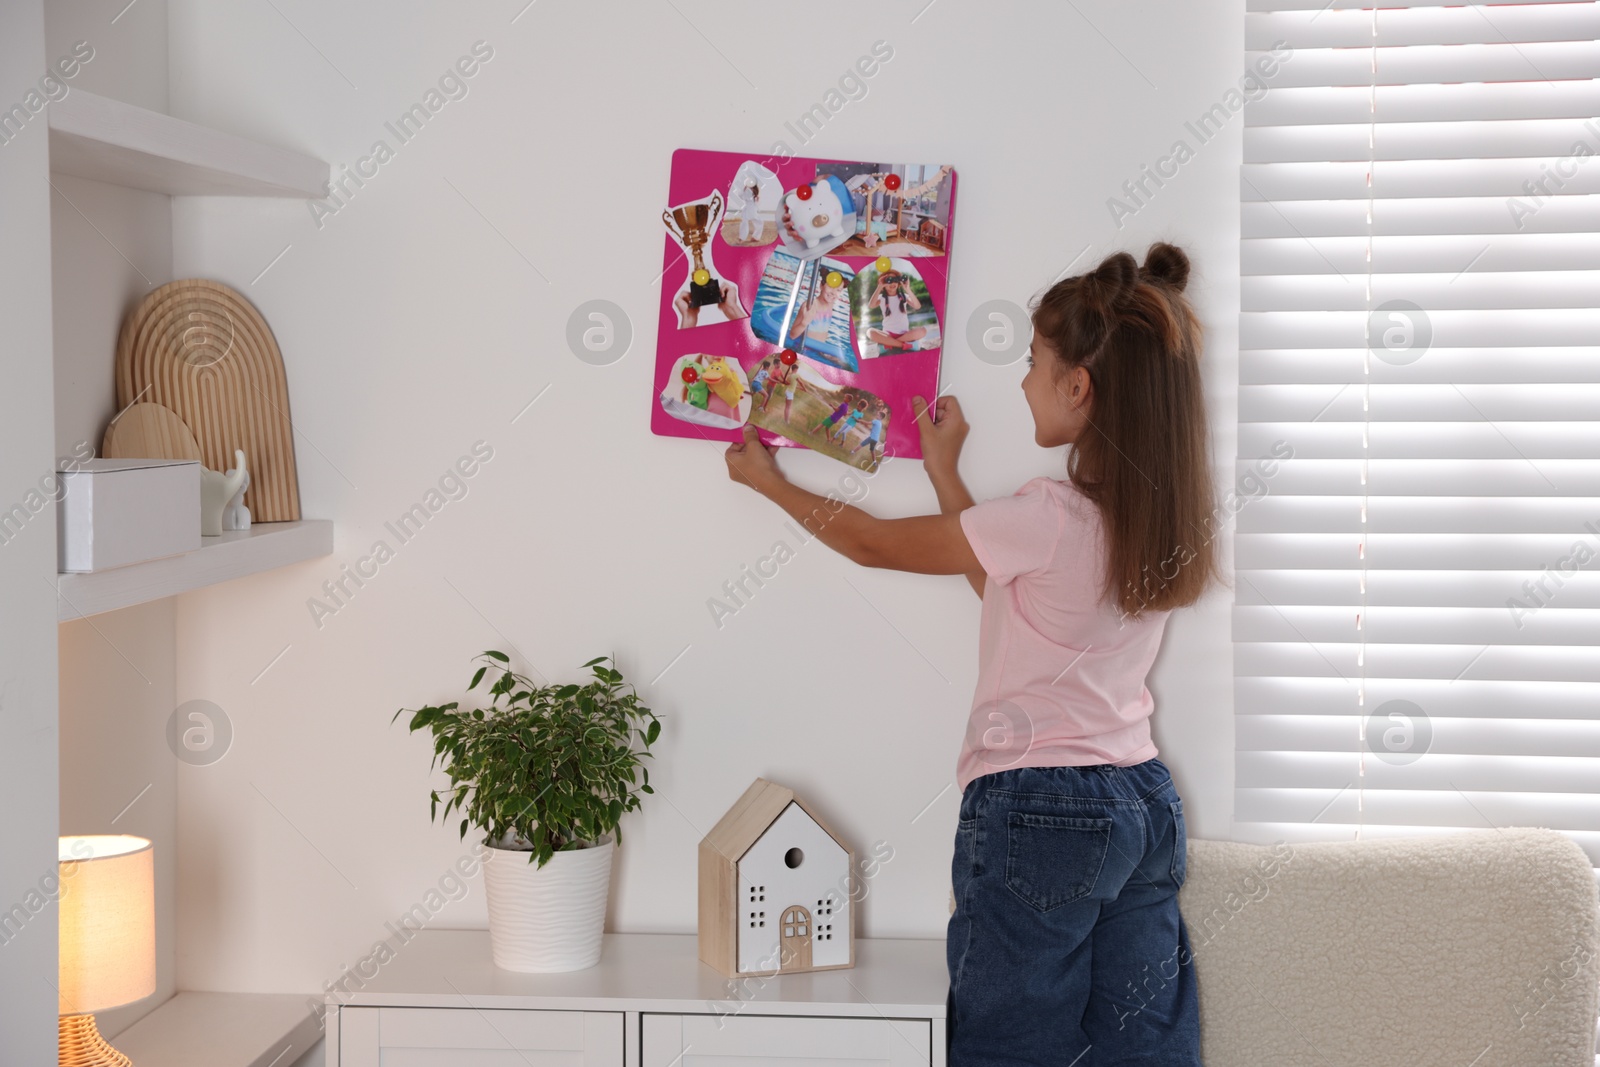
813 331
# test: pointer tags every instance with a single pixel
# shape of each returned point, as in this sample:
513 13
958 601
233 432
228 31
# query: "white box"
113 512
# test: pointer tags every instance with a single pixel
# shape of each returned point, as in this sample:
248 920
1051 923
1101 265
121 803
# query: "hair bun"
1166 263
1115 278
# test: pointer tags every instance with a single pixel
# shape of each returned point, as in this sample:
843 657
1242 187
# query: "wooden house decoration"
775 888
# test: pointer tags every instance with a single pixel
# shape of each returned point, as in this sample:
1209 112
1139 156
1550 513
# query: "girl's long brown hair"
1143 456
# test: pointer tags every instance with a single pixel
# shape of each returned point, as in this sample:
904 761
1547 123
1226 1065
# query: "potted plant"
546 773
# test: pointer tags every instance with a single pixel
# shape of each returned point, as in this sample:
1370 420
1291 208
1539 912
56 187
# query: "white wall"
415 321
113 245
28 786
110 247
117 774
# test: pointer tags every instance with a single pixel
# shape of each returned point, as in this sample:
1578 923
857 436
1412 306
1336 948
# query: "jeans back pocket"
1053 860
1180 844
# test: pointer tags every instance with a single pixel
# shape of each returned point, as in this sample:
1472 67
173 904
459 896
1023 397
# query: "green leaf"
476 678
653 733
501 656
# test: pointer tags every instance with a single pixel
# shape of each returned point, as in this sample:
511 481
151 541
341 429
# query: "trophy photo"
692 226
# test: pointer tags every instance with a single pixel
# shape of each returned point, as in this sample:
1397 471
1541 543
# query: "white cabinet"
649 1002
472 1037
733 1041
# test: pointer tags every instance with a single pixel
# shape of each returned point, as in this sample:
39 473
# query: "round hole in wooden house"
793 857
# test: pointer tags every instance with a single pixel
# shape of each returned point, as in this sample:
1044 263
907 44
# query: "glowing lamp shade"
108 936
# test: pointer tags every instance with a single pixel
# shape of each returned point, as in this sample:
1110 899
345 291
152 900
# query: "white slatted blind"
1399 156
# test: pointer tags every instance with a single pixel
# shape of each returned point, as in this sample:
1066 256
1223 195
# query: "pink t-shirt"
1060 674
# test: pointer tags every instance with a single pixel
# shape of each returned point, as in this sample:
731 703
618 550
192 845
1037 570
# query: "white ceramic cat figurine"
215 492
236 516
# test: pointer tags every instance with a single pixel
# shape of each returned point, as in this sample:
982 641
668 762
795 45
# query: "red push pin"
788 359
803 192
691 375
892 182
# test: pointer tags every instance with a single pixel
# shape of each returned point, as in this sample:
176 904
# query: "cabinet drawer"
710 1040
472 1037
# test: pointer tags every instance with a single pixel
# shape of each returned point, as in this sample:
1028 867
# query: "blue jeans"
1066 946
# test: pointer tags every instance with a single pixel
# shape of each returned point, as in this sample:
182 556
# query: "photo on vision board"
708 391
791 398
892 309
704 297
752 216
815 217
806 306
901 209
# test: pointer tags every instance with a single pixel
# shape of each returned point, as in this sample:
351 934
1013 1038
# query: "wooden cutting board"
200 349
149 431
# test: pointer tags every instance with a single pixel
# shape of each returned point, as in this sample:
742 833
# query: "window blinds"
1417 589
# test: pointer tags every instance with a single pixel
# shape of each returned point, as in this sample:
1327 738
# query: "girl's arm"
911 299
926 544
941 448
802 316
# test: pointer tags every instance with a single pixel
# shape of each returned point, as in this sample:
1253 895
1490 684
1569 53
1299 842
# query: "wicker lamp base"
82 1045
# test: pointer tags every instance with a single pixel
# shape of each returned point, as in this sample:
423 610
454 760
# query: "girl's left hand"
753 463
942 436
688 315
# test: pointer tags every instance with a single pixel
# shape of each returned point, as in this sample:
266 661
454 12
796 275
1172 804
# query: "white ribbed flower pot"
548 918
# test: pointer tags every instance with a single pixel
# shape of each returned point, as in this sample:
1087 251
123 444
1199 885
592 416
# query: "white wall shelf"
106 140
263 547
222 1030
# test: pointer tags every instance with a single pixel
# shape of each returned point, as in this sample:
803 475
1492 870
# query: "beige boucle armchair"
1471 949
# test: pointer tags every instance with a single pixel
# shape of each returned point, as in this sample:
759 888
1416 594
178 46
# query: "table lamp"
108 938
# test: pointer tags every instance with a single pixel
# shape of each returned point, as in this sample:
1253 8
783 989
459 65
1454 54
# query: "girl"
750 213
786 375
894 300
815 316
851 417
1070 837
758 380
874 439
838 413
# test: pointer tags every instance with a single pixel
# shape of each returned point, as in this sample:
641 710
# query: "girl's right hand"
751 462
942 435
